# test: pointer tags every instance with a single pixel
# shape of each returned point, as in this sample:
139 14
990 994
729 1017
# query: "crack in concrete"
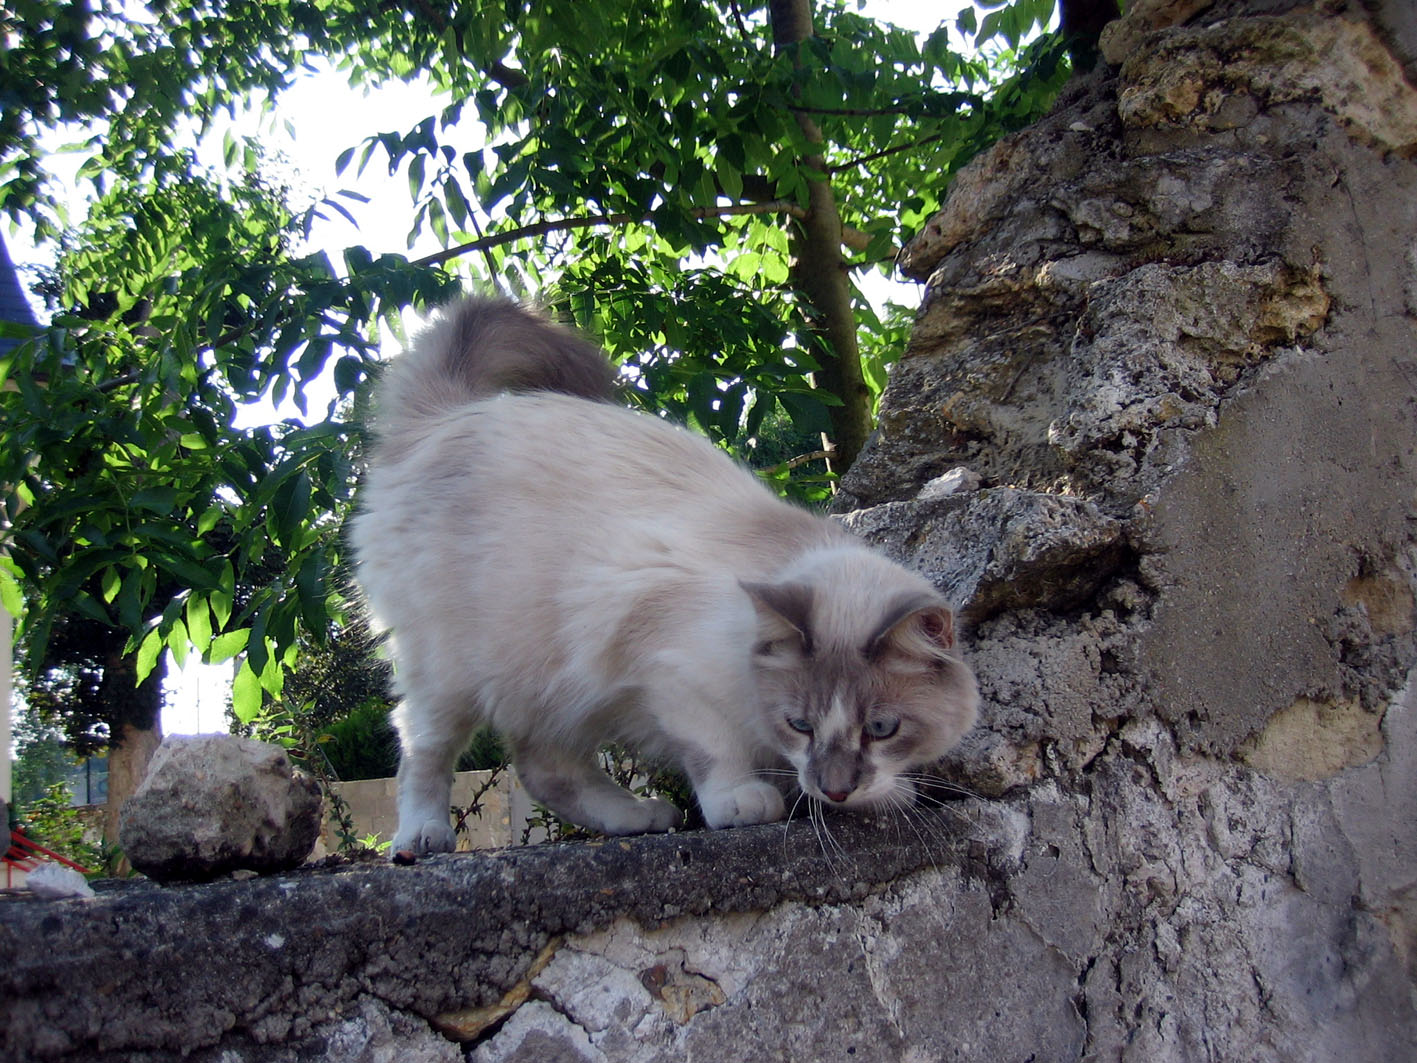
472 1024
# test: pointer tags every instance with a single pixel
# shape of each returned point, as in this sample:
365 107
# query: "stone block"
212 804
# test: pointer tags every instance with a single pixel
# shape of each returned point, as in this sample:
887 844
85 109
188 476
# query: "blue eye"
882 727
801 726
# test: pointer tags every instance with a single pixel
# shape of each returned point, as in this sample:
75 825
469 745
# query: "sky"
316 119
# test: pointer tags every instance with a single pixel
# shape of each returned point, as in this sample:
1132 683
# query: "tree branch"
852 238
818 266
793 463
862 160
858 112
738 18
509 77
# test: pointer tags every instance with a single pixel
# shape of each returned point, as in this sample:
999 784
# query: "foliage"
644 167
82 687
363 745
42 755
339 676
53 822
336 697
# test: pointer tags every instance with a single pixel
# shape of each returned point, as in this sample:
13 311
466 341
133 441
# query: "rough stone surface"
275 967
1190 77
1125 36
212 804
1155 434
999 549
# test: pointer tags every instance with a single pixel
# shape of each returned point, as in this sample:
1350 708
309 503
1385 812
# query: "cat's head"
858 674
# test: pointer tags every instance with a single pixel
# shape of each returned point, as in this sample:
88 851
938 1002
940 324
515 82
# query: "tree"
693 183
42 758
86 688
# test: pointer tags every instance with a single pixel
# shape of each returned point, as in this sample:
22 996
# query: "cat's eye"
882 727
800 725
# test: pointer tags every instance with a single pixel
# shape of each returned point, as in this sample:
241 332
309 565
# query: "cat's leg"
574 787
730 796
429 745
723 770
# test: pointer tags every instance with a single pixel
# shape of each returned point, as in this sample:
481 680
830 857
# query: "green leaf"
148 652
808 413
258 653
10 597
457 203
292 506
227 645
349 371
155 499
199 624
210 519
178 642
246 696
438 220
730 178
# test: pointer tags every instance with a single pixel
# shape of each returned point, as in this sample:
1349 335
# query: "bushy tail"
477 348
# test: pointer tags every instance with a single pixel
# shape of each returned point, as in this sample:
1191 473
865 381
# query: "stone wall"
1169 333
1155 433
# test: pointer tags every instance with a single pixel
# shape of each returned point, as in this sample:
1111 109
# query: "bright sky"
317 118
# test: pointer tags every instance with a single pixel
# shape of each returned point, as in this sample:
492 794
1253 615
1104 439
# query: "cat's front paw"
742 806
427 836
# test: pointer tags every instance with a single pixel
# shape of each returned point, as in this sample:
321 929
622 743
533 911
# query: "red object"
25 855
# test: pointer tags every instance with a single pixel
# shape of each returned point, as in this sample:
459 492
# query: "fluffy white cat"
575 573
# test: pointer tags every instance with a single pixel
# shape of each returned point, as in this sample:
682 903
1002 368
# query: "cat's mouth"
880 792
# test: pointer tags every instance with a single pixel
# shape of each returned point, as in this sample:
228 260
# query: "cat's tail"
476 348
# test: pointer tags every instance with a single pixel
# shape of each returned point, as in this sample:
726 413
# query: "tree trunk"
819 273
135 730
1081 22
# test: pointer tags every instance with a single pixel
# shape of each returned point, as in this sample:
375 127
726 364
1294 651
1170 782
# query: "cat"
576 573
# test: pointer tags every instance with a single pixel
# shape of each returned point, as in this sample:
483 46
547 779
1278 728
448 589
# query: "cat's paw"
427 836
648 815
744 805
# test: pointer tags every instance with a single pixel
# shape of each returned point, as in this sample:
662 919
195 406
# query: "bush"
53 822
363 745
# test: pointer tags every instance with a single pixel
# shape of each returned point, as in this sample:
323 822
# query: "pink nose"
837 795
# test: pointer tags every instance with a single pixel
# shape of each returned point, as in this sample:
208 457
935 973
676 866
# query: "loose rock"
213 804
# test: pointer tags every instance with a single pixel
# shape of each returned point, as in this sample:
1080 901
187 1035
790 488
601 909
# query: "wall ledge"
143 971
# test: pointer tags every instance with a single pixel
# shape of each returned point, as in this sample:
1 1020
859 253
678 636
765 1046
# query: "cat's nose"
837 795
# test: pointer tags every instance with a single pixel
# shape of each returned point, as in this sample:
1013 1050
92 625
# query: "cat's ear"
917 624
782 607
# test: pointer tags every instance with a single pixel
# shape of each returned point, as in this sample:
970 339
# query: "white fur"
570 572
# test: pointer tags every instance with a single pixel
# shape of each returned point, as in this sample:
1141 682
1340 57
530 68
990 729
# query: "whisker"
826 828
937 804
902 799
927 825
824 835
791 814
934 782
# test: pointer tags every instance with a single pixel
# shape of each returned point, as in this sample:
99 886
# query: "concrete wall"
504 807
